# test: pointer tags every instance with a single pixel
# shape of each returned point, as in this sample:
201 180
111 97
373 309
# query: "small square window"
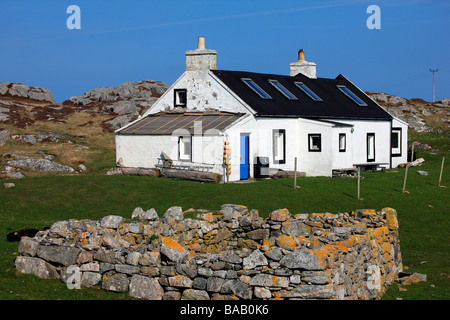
342 142
314 142
180 98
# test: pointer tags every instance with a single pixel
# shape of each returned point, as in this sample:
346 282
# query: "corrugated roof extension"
333 103
169 123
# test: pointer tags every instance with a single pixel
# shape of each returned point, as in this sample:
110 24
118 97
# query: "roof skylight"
283 90
308 91
252 85
351 95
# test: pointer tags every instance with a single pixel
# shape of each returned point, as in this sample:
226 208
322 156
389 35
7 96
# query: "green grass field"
423 214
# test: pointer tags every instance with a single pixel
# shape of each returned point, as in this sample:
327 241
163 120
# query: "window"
342 142
315 142
352 96
180 98
308 91
283 90
185 148
370 147
279 146
252 85
396 142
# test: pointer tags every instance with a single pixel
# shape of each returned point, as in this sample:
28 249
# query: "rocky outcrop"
130 91
34 164
228 254
23 91
126 101
420 115
22 105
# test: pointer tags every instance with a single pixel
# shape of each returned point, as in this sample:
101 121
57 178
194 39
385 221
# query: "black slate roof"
334 105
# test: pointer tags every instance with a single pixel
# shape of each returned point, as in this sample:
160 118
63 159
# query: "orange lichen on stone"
279 281
322 255
268 243
352 240
386 247
209 217
378 233
391 218
286 242
280 215
276 295
314 241
172 244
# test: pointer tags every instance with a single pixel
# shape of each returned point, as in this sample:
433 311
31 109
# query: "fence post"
406 175
442 169
359 181
295 173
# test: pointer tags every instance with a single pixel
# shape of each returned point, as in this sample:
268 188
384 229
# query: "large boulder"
24 91
58 254
145 287
40 164
36 267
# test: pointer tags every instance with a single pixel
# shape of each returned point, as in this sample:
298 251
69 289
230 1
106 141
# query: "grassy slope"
423 215
87 129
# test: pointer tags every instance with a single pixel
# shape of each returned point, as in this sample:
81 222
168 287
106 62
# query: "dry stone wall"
228 254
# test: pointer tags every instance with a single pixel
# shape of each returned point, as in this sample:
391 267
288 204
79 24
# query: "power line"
434 71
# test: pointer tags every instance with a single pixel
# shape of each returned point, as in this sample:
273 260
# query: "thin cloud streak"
237 16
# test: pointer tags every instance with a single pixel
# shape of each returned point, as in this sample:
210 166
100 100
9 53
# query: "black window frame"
345 142
310 145
370 134
399 131
175 98
274 132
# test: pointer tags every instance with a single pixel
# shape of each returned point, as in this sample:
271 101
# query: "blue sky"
124 41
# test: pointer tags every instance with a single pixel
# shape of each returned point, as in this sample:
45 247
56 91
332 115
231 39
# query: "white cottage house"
252 121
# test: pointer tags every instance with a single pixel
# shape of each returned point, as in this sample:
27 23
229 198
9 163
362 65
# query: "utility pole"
433 80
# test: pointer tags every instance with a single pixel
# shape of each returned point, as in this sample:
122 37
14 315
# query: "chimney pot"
302 66
201 43
301 55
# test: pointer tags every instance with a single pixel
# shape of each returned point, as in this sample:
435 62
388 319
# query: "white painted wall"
260 131
204 92
342 160
382 130
314 163
144 150
397 123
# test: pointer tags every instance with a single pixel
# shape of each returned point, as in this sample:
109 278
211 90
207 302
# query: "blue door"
244 163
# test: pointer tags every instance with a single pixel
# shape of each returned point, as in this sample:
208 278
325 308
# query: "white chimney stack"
302 66
201 59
